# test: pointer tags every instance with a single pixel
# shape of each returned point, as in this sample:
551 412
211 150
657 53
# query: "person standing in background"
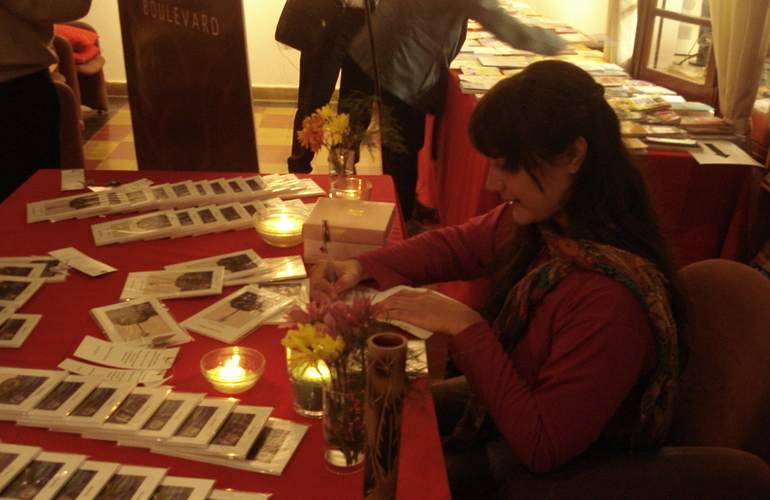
319 69
414 43
29 103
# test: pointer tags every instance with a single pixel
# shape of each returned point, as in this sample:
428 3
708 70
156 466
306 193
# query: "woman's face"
530 202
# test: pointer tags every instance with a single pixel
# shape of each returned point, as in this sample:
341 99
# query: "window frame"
650 15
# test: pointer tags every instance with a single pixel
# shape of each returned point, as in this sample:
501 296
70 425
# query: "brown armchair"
719 443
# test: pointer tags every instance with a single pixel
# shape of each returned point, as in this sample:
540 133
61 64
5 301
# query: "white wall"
273 65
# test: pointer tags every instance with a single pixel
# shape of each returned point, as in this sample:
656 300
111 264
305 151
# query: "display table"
65 321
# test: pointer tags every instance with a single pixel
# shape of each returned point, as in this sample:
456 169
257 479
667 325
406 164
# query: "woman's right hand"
347 274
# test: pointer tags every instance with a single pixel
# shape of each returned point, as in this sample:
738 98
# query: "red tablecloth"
65 321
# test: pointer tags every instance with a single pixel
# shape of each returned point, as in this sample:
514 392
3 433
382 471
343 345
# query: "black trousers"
401 165
29 129
318 73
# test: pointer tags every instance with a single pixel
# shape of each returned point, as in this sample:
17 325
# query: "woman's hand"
431 311
346 273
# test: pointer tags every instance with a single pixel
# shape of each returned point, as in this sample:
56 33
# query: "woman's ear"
573 156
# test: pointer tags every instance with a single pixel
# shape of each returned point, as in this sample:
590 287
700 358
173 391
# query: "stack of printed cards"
236 265
174 284
142 196
165 421
238 314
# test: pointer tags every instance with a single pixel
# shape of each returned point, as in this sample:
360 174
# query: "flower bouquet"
344 133
334 336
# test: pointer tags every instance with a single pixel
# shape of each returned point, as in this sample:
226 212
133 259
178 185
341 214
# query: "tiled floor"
110 143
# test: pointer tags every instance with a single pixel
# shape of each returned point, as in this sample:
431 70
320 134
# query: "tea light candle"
233 370
280 228
231 378
351 188
307 388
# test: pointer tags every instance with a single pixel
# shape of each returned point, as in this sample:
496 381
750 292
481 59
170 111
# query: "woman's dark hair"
536 115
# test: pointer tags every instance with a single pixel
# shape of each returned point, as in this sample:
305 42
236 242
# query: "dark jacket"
415 40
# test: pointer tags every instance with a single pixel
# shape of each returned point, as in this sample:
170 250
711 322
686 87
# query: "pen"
330 274
716 150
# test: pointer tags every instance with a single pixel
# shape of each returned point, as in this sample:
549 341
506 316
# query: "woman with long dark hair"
582 338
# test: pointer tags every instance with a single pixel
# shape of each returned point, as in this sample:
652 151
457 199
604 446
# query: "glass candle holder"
351 188
234 369
307 382
280 226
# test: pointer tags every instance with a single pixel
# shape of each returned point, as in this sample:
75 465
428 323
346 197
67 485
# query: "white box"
355 227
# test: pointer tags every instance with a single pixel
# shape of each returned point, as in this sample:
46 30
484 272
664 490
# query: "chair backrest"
724 395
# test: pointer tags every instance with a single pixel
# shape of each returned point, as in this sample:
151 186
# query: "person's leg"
29 129
476 471
318 74
403 165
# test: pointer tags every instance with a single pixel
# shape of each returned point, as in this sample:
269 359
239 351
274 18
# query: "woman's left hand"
431 311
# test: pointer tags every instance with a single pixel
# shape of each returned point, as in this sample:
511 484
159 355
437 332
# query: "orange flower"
312 134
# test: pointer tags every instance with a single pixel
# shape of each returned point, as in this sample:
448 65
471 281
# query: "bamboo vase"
386 381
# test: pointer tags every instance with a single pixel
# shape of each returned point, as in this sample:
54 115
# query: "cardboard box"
355 227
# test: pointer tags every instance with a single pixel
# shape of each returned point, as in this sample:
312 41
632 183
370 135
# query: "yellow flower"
326 112
339 128
310 345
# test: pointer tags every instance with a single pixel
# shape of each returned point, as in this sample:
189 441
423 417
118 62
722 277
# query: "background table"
704 210
65 321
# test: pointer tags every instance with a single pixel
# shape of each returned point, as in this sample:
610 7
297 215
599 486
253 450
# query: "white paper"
124 356
730 154
147 377
73 179
83 263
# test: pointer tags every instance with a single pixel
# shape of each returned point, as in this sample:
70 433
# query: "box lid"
352 221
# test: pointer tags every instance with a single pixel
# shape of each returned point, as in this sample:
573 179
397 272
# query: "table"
66 321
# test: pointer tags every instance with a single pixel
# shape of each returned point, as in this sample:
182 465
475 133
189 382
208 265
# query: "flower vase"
343 430
342 163
386 381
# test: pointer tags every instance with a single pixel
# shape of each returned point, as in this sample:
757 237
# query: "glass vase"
342 163
343 429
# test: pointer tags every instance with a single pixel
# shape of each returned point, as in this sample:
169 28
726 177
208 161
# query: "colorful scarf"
647 284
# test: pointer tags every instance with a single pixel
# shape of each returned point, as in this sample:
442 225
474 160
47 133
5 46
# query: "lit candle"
307 387
231 378
280 229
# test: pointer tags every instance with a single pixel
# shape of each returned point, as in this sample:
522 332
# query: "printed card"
173 284
44 476
96 407
235 264
183 488
16 291
131 482
169 416
15 330
60 402
86 482
143 322
204 421
140 227
22 388
13 459
238 314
